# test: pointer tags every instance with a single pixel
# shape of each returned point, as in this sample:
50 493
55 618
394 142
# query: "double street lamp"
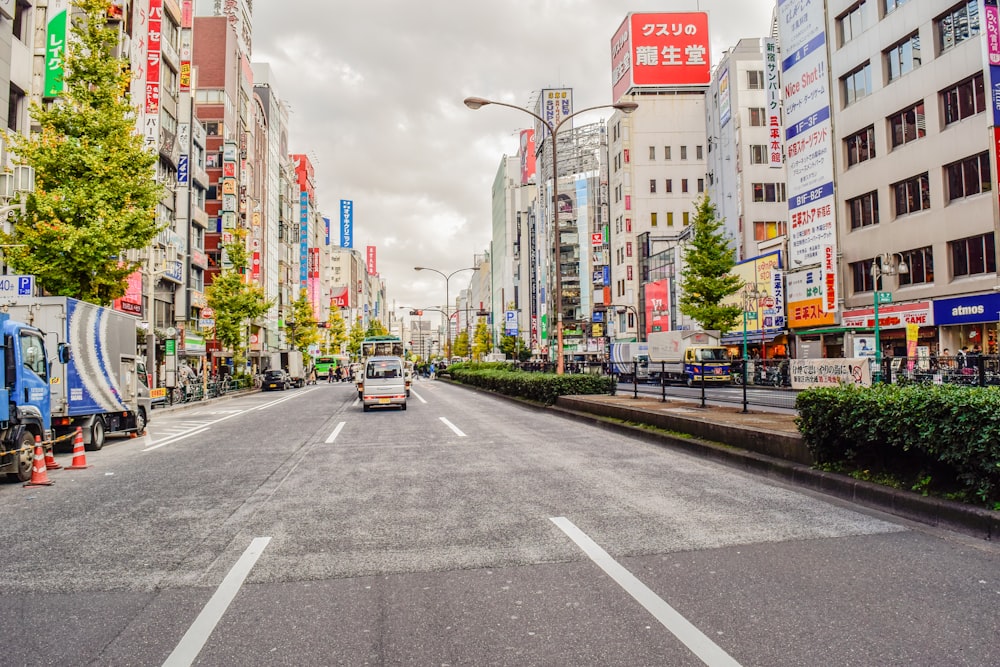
884 265
626 107
447 305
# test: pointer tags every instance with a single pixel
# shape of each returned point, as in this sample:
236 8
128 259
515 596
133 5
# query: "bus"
382 346
324 366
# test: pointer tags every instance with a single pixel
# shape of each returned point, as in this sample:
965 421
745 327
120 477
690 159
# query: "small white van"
383 383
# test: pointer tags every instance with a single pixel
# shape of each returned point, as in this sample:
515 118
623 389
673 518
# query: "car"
275 379
383 383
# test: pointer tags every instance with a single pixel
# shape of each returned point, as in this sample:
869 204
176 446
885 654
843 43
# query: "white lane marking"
333 436
194 639
282 400
680 627
451 426
419 397
172 439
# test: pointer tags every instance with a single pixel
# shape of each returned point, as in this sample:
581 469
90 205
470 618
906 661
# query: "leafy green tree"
235 301
514 348
301 329
338 331
708 260
355 337
95 195
460 346
376 328
482 340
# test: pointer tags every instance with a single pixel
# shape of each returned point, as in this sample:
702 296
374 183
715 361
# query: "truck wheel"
96 436
403 406
140 422
366 407
25 458
690 380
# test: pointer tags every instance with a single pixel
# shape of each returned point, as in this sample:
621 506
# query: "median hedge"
944 438
541 387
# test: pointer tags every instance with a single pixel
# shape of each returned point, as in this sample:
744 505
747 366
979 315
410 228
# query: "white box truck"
688 356
630 361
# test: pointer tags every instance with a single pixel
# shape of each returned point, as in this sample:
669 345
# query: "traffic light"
418 313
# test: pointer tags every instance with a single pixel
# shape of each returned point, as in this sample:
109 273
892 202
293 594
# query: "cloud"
376 90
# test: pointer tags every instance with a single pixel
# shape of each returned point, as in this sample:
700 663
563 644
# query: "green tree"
708 259
376 328
460 346
355 337
95 195
514 348
482 341
235 301
301 329
338 331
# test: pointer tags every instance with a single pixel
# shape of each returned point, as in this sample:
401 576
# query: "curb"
958 517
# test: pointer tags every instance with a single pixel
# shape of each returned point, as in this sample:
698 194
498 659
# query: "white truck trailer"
688 356
630 361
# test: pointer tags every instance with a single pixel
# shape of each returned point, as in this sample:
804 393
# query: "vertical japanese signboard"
303 240
772 83
725 105
370 258
553 106
151 127
991 48
55 46
808 148
184 76
346 223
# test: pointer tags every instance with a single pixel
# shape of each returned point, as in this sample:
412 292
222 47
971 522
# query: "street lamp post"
883 265
751 294
447 296
627 107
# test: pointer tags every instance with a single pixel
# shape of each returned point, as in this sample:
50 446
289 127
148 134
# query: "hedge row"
947 436
542 387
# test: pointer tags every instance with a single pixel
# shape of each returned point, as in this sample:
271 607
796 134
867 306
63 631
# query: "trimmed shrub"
948 433
544 388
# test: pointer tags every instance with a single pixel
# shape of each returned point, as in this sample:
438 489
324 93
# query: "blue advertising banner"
326 227
182 170
972 309
346 223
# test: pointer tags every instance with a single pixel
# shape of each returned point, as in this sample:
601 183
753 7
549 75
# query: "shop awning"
734 338
831 330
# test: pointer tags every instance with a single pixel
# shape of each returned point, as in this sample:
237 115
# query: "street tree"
707 280
376 328
301 328
460 346
338 331
514 348
95 195
482 341
235 301
356 335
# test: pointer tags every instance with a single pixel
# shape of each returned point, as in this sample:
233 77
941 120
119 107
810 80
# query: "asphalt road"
290 528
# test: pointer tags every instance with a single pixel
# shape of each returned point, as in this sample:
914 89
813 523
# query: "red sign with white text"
370 254
660 50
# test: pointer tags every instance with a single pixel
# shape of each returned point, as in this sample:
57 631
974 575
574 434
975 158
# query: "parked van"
384 383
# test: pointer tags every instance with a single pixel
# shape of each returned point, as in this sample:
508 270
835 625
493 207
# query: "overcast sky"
376 90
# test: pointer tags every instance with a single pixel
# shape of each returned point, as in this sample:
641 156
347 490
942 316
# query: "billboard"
527 156
56 33
725 104
772 83
657 306
370 258
553 105
767 315
660 50
340 296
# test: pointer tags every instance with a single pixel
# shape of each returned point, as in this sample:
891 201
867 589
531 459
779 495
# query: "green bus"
325 366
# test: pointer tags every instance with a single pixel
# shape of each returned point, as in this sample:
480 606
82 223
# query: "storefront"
892 321
968 321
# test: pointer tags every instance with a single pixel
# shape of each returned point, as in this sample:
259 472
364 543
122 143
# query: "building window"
861 273
969 176
920 263
701 185
860 146
628 247
670 185
964 99
652 152
15 105
757 117
652 186
769 192
853 22
684 185
908 125
912 195
686 218
22 20
666 152
863 210
670 218
768 229
857 84
973 256
699 153
958 24
891 5
758 154
684 152
755 79
652 219
903 57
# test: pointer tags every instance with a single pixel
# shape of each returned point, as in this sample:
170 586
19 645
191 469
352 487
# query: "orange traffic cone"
79 457
50 459
39 476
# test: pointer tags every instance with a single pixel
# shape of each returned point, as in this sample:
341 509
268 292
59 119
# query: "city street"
291 528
